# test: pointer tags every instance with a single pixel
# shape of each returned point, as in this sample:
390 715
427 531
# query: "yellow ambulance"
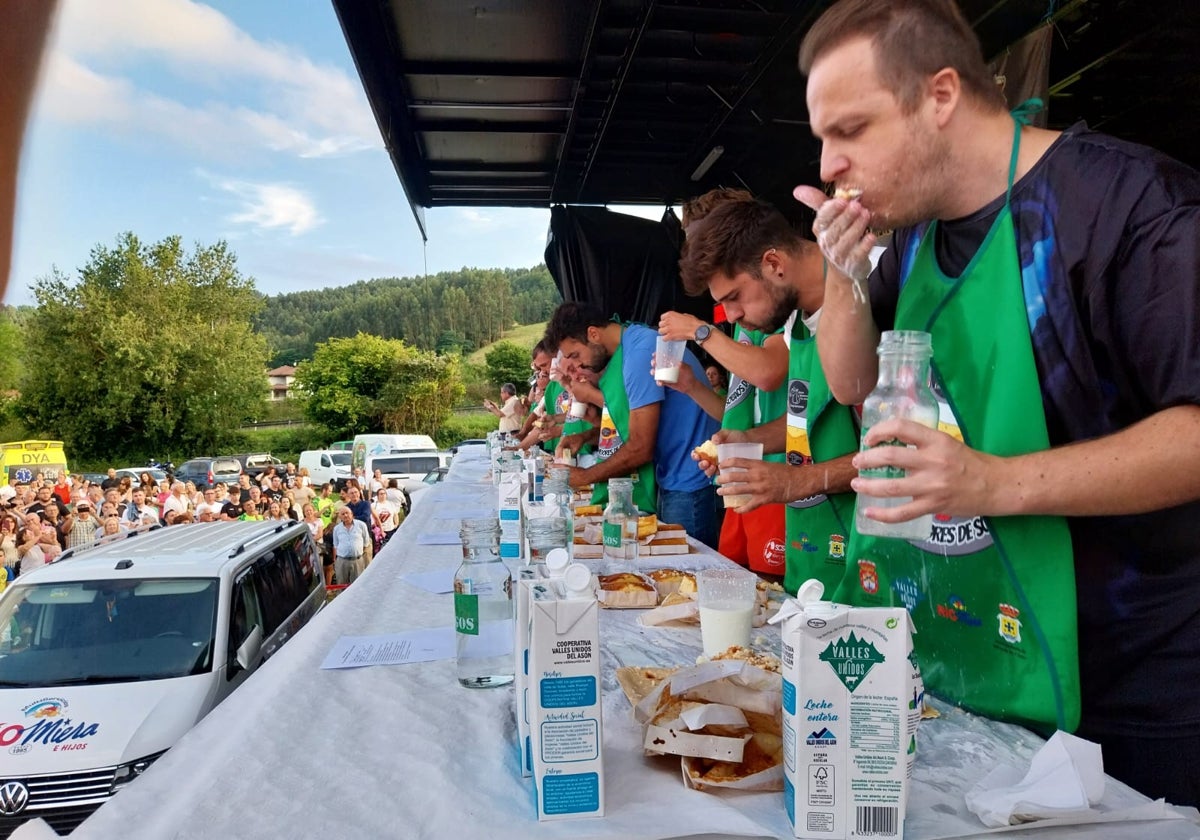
22 460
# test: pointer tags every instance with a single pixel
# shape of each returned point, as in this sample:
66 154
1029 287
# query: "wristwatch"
702 333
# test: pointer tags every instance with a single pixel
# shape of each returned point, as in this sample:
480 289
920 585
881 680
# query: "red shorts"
756 539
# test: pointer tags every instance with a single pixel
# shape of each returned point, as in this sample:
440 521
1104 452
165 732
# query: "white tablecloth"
404 751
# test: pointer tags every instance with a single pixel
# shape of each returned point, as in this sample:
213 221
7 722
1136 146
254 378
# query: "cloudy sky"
241 120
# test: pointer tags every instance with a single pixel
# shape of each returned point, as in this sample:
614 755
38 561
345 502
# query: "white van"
379 444
409 468
326 466
111 653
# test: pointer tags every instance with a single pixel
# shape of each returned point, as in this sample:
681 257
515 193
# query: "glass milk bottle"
483 608
557 492
903 392
620 521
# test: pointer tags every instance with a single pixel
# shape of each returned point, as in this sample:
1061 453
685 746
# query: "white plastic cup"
578 408
668 359
726 598
737 450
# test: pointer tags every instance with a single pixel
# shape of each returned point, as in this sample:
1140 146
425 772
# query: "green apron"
614 429
747 406
992 599
816 525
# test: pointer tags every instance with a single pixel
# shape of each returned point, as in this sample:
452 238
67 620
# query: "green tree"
343 380
506 362
368 383
149 352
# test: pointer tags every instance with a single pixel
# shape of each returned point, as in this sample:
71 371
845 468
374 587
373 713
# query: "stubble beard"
598 361
784 301
918 182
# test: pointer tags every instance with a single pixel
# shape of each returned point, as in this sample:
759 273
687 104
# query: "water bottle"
620 521
903 391
557 492
483 608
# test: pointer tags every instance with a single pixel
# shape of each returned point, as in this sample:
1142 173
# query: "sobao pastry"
848 193
707 451
589 510
625 582
647 526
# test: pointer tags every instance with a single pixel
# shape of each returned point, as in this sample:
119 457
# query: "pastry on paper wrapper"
647 526
697 713
670 581
626 590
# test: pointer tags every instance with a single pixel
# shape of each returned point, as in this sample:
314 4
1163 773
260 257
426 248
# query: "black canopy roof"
536 102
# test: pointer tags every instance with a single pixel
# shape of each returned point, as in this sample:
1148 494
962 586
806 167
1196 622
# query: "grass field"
526 335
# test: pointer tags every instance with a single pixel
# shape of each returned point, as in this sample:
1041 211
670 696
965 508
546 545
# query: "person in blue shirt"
645 429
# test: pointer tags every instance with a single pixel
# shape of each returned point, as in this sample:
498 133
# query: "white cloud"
270 206
262 96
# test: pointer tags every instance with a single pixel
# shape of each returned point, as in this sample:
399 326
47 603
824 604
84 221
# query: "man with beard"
645 429
746 255
1058 275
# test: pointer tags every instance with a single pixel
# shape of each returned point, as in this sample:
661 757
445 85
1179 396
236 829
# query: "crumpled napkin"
1065 777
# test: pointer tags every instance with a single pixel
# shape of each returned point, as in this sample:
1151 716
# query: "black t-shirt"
232 508
1109 241
38 507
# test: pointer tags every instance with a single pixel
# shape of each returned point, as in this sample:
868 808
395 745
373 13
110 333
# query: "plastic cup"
668 359
726 598
578 408
737 450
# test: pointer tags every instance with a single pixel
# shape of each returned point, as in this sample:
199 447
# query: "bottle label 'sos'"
466 614
612 534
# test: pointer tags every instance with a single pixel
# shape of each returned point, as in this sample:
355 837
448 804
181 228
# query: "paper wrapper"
687 612
723 718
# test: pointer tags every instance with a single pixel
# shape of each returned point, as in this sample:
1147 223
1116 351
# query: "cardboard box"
565 703
847 683
511 495
525 578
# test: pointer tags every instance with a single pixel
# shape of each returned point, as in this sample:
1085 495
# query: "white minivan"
111 653
326 466
366 446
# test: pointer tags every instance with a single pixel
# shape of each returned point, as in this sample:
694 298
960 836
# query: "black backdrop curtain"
623 264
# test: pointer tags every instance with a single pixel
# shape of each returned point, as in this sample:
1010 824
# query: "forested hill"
466 309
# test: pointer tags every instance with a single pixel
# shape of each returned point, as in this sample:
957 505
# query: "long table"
404 751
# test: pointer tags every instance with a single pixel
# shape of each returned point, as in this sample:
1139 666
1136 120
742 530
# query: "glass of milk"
725 451
726 598
668 358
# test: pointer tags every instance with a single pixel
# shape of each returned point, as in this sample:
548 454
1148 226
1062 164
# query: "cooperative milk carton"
512 533
847 696
564 695
556 563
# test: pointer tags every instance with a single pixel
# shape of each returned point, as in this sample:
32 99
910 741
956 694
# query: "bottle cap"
557 561
578 581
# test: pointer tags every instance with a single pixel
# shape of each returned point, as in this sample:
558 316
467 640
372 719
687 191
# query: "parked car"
255 464
326 466
135 473
207 472
112 653
467 442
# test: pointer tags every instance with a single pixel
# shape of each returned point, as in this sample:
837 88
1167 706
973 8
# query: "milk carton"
511 495
526 576
847 691
564 697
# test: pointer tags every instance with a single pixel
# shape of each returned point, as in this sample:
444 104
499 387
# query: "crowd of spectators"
41 519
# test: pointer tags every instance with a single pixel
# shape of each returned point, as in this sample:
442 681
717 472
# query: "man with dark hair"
746 255
1058 277
644 429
